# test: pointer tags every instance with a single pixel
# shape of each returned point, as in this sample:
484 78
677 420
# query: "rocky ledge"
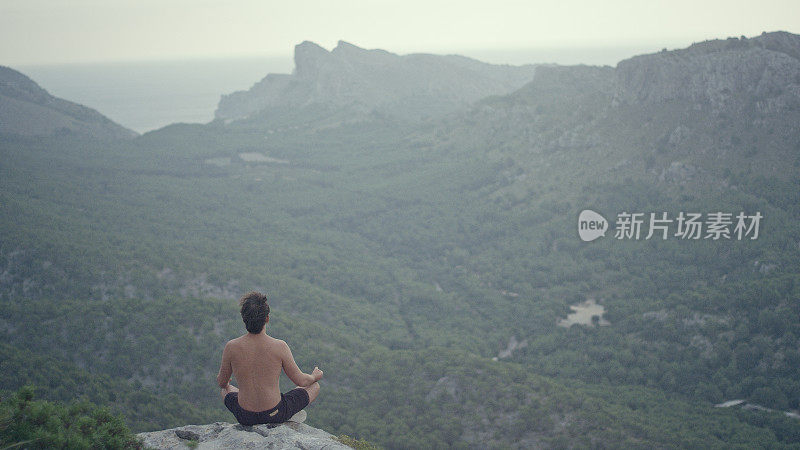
221 435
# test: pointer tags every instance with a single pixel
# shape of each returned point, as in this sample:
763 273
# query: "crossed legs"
229 388
312 389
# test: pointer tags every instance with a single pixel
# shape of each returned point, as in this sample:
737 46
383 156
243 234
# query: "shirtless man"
256 360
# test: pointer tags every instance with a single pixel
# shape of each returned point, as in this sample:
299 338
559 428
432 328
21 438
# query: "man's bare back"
256 361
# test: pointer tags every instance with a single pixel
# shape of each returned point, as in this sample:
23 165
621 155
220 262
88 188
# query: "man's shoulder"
234 342
280 345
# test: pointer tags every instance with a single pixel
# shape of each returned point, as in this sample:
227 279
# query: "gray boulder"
221 435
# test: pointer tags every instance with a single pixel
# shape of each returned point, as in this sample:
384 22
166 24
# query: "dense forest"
404 258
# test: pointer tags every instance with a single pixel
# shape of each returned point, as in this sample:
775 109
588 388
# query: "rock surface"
728 75
221 435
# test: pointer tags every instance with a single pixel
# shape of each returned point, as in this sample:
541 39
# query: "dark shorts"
291 402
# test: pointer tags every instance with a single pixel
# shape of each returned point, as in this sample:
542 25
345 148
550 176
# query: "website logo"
591 225
686 226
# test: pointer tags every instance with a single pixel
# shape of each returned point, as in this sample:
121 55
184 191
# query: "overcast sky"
51 31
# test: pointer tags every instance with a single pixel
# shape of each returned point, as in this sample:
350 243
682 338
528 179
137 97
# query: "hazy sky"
52 31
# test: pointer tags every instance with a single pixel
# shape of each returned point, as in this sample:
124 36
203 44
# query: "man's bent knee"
228 389
313 391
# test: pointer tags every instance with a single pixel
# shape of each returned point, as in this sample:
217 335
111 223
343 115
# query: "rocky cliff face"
701 115
375 81
28 110
726 75
222 435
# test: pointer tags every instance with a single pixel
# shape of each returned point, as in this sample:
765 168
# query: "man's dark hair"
255 310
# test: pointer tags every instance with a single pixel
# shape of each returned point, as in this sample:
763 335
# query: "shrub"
29 423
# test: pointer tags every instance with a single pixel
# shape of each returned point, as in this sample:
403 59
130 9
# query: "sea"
148 95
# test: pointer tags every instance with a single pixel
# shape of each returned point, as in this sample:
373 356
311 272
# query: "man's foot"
300 417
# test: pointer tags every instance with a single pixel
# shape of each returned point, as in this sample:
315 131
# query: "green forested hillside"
402 258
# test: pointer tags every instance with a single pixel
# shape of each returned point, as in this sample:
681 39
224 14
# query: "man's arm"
294 373
225 369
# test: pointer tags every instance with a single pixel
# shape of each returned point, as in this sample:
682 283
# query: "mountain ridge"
367 81
725 74
719 108
29 110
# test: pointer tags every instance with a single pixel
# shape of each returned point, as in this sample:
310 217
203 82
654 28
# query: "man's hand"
317 374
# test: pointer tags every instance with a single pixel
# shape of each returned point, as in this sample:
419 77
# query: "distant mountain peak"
358 82
308 47
344 45
307 57
347 49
